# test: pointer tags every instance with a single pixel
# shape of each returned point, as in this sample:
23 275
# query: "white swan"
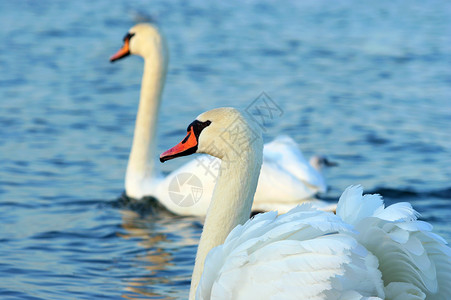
290 177
366 251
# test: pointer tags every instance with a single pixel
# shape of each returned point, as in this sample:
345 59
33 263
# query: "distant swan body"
365 251
287 178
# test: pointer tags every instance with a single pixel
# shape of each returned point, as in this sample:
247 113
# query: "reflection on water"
154 261
166 253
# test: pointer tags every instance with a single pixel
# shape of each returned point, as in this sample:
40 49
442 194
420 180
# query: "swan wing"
409 254
284 151
276 185
298 255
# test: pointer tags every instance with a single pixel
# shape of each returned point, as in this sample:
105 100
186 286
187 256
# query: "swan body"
365 251
298 255
287 177
270 255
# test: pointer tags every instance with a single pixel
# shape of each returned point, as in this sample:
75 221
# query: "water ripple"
367 85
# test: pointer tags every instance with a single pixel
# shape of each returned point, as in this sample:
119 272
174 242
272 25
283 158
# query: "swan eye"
128 36
198 126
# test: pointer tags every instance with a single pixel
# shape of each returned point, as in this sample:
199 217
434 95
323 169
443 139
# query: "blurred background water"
367 84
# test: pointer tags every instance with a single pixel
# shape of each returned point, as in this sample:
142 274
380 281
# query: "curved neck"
141 161
230 206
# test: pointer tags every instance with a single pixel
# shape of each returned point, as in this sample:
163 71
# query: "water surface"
368 85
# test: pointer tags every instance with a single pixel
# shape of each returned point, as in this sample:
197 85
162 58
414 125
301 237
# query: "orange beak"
123 52
186 147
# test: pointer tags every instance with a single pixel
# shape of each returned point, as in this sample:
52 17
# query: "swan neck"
230 206
141 162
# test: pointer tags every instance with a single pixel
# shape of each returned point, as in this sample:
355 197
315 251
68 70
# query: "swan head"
144 40
224 132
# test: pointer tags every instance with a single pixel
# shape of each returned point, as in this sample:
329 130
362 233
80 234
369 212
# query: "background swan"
287 177
366 251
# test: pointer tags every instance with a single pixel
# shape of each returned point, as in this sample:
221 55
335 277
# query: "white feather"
414 261
271 257
309 254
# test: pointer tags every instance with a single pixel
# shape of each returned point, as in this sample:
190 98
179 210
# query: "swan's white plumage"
407 250
403 291
367 251
298 255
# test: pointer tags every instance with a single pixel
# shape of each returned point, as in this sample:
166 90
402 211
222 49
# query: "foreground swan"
286 179
366 251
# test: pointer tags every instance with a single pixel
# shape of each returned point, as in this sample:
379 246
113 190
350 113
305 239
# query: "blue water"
367 84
